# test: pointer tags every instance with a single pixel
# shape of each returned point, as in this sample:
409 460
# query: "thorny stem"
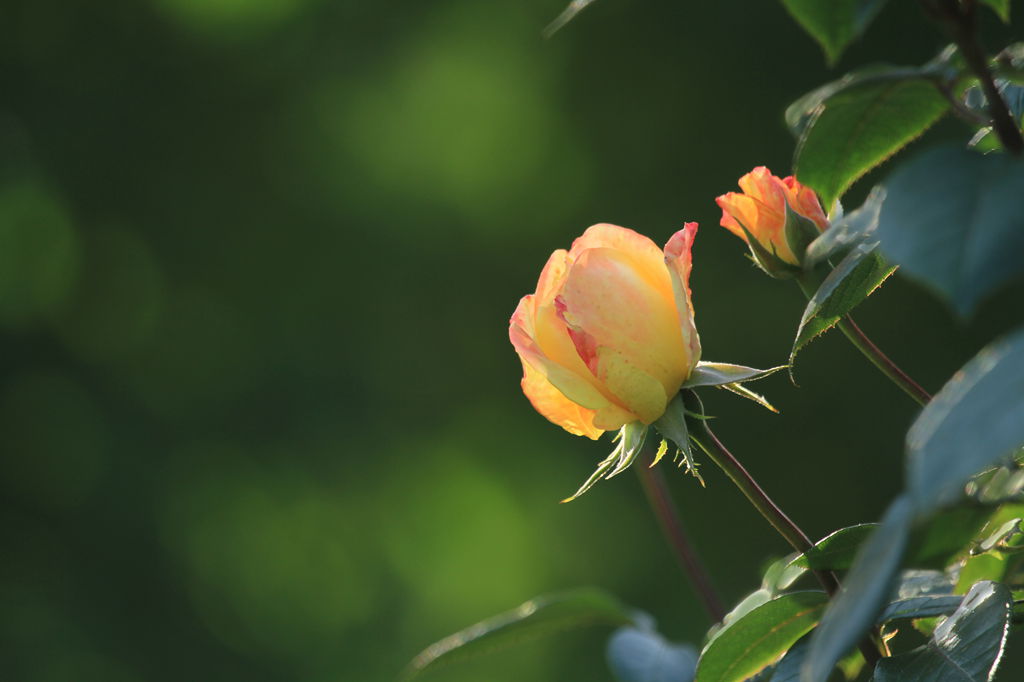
961 19
660 499
792 533
880 360
872 352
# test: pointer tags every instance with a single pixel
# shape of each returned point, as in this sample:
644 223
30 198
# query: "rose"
760 212
608 338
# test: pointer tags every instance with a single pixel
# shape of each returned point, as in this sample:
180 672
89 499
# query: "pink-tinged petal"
804 201
554 406
607 298
679 259
573 380
552 276
766 188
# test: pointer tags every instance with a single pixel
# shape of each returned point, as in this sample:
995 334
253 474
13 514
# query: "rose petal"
574 381
558 409
606 297
678 258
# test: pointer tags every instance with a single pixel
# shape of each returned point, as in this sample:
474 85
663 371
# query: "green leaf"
946 534
853 228
855 278
982 567
867 587
976 420
720 373
859 127
1001 7
836 551
538 617
966 646
799 114
760 638
920 607
952 220
640 654
834 24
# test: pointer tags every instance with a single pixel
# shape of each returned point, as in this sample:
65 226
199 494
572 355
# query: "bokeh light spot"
271 555
38 254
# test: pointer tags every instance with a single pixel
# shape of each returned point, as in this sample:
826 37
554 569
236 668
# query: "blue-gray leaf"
642 655
868 584
952 220
975 421
965 646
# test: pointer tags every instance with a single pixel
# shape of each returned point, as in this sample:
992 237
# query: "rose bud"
777 218
608 337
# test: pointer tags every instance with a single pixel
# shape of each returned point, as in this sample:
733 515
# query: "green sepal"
628 444
744 392
767 260
799 232
721 373
672 426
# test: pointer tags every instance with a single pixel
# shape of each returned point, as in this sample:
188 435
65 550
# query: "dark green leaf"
799 114
835 552
538 617
921 607
637 654
952 220
720 373
868 585
966 646
861 272
851 229
859 127
836 23
976 420
1001 7
760 637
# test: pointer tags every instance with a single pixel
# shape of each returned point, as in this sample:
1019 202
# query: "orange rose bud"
608 337
777 218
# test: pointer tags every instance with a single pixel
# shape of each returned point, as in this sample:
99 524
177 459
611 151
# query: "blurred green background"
260 419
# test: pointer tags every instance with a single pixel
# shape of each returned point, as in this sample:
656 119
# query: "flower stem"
872 352
961 20
720 455
659 497
880 360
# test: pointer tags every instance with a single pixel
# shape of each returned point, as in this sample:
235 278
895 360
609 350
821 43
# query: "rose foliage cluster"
608 342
